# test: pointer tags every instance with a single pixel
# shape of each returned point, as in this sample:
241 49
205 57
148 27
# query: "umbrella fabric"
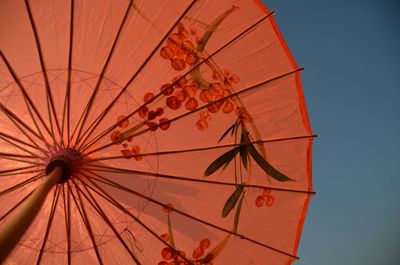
185 123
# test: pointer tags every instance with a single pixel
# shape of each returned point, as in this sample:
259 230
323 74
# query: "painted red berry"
123 123
260 200
159 111
167 253
188 45
166 53
136 149
173 103
164 237
216 89
151 115
270 201
198 253
179 81
115 136
152 126
205 115
191 104
202 125
143 111
190 91
205 243
213 108
180 95
167 89
266 192
192 59
138 157
178 64
148 96
228 107
164 124
127 153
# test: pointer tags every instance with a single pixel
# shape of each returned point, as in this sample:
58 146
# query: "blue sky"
350 51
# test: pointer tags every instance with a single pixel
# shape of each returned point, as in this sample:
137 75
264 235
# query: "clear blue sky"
351 54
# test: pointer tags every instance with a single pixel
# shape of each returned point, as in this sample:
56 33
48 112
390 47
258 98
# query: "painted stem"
12 231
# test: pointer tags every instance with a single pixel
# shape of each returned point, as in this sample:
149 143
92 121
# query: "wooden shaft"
12 231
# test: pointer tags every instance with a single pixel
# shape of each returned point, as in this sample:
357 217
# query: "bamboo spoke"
97 86
18 123
8 139
114 184
179 178
50 102
21 184
89 197
29 102
198 149
198 109
21 173
205 60
108 108
82 212
16 205
15 169
101 192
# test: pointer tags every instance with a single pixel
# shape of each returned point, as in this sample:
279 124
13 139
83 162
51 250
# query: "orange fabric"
144 91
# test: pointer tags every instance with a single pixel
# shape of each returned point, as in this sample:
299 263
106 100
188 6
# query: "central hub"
66 158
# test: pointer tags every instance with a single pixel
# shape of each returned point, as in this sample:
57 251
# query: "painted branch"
12 231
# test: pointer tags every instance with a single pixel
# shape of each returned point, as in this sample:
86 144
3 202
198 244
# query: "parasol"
150 132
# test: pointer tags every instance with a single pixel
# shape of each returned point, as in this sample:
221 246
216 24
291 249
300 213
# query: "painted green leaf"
267 167
224 159
230 129
243 151
237 214
232 200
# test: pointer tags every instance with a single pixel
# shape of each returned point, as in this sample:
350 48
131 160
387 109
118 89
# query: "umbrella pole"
12 231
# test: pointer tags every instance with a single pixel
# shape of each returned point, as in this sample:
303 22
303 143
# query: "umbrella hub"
69 159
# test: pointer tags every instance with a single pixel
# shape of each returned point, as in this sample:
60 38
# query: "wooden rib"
16 205
44 72
17 122
97 207
174 177
97 86
16 155
6 139
155 49
85 219
21 184
67 99
116 185
15 169
25 94
199 108
5 135
178 80
21 173
199 149
101 192
37 126
49 223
